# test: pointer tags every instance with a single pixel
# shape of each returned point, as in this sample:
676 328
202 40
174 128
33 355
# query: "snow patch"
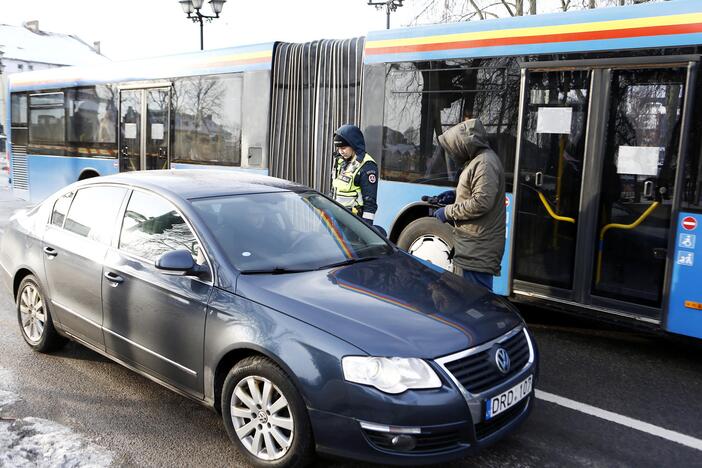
7 398
35 442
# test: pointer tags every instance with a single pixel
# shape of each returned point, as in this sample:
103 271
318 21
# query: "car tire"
416 237
272 431
34 317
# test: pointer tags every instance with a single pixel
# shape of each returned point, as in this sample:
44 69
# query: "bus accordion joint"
553 213
607 227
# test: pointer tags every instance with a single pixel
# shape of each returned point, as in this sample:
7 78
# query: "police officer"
355 183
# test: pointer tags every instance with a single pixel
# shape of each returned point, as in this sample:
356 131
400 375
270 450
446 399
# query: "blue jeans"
483 279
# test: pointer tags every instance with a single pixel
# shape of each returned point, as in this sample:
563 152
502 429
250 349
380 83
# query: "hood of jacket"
352 134
464 141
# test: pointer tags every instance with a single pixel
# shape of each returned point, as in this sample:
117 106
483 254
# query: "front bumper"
422 427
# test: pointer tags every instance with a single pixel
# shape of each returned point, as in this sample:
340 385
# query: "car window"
58 215
94 211
152 226
287 230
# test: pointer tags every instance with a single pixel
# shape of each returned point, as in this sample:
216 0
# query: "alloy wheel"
32 313
262 418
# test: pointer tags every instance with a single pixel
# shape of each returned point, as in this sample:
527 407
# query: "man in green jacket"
478 213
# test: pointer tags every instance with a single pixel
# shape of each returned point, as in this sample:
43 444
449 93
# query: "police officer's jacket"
355 183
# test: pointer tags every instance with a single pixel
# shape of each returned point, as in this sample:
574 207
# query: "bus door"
144 128
597 168
637 185
552 148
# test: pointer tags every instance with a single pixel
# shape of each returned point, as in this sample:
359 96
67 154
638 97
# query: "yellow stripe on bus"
688 18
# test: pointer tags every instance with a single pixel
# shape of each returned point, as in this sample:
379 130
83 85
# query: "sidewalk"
8 205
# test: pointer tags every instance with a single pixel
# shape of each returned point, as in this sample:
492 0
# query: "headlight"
390 375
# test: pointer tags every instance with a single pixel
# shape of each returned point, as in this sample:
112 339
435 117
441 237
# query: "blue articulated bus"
592 112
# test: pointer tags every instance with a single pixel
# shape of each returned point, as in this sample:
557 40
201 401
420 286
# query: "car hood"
392 306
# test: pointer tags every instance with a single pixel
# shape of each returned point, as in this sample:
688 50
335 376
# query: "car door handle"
113 278
50 252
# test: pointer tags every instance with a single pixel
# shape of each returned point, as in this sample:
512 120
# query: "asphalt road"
114 416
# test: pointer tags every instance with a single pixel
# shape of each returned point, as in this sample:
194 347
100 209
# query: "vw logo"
502 360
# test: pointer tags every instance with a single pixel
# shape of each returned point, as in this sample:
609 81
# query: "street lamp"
192 9
389 5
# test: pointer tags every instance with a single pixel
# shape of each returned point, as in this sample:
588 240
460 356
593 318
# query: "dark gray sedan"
273 305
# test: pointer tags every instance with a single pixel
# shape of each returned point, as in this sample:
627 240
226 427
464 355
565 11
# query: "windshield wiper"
274 271
348 261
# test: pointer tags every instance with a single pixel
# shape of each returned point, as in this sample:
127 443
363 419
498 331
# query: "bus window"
19 109
207 120
47 123
692 182
423 99
18 118
92 121
692 194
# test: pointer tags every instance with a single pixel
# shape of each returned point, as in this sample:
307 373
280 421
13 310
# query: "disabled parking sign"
687 241
686 258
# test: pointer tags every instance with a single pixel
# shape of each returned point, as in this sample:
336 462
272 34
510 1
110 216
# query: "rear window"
58 215
94 211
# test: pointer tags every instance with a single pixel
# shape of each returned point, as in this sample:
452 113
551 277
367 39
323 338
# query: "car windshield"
286 232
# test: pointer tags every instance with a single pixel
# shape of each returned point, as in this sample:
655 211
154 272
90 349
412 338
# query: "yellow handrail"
607 227
551 212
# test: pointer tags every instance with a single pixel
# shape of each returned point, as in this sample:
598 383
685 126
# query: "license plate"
507 399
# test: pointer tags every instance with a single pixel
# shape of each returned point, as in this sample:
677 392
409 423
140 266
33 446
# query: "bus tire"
88 175
429 239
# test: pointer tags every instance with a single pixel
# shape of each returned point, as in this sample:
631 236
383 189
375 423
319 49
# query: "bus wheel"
430 240
88 175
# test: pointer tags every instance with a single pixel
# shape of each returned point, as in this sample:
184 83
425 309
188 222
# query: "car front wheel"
265 416
34 317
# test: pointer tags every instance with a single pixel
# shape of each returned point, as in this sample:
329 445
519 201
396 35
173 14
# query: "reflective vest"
345 189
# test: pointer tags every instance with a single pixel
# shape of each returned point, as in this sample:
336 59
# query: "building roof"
20 43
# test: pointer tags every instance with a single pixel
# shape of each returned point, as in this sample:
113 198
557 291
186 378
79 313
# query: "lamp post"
389 5
192 9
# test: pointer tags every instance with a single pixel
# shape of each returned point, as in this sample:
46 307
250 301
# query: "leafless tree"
444 11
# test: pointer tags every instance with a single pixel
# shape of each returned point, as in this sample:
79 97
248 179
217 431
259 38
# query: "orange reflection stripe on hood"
391 300
334 230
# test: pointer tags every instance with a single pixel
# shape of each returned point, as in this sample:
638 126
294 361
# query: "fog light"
404 442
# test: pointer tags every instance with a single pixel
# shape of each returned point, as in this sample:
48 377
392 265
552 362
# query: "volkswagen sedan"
304 327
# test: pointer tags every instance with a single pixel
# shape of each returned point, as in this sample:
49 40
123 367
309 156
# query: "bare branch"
478 10
509 10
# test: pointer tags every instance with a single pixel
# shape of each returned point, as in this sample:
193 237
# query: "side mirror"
177 262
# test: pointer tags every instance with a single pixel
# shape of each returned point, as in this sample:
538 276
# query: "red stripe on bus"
548 38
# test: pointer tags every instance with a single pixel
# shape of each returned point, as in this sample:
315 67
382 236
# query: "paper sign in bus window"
639 160
554 120
130 130
157 131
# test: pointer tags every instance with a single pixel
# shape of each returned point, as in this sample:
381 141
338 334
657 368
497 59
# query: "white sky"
145 28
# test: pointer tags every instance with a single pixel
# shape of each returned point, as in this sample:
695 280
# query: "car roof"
201 183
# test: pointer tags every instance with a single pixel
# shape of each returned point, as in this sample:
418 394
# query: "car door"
153 320
74 244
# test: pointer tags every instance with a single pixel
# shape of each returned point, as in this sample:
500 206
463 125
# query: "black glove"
446 198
